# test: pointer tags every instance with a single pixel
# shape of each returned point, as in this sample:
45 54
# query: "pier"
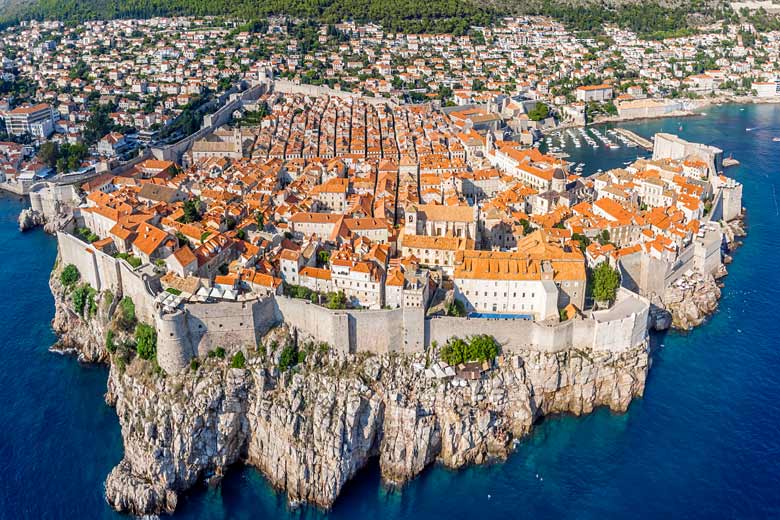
647 144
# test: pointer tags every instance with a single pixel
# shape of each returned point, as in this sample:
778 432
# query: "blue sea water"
704 442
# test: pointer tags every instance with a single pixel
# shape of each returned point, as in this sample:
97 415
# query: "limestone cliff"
29 219
309 430
691 300
84 337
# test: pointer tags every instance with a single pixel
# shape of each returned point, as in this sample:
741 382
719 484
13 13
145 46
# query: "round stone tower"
174 348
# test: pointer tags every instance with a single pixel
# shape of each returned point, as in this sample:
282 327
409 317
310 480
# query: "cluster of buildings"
350 202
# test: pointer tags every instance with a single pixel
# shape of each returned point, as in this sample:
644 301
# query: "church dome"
559 174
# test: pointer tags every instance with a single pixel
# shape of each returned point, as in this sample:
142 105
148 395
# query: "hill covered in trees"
394 15
650 19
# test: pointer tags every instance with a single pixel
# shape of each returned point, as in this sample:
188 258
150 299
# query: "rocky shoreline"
690 301
310 429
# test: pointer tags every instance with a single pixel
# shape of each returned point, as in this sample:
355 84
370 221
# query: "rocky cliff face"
76 335
29 219
311 429
691 300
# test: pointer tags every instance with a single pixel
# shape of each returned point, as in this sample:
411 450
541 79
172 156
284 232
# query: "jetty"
647 144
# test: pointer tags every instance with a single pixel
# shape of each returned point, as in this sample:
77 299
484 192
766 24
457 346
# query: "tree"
479 348
323 257
288 358
582 240
337 301
127 312
145 341
539 112
191 210
69 275
48 153
606 281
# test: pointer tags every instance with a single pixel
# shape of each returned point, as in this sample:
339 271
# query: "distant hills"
650 19
394 15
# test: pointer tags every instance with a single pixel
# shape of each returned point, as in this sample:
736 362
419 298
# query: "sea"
703 442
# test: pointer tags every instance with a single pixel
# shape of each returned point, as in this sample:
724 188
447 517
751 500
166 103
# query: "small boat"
748 129
776 139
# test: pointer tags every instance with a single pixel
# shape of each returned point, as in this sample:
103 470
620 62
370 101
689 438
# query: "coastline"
310 430
699 104
154 487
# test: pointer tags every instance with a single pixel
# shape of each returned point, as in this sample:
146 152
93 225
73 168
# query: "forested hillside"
651 19
395 15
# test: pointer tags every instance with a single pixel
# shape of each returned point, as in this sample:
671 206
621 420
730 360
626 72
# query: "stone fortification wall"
174 346
318 322
202 327
612 332
230 325
211 122
104 272
50 199
288 87
377 331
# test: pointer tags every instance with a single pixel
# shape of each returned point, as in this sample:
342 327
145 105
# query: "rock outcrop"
83 337
691 299
310 430
29 219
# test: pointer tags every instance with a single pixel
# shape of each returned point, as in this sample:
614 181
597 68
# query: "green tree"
606 281
145 341
288 358
337 301
127 313
69 275
191 209
456 309
539 112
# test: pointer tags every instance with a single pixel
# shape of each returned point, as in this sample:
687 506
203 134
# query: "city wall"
288 87
600 332
104 272
199 328
650 276
211 122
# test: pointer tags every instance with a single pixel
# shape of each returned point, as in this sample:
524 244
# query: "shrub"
238 361
135 262
86 235
69 275
456 309
288 358
301 357
110 345
79 297
145 341
479 348
173 290
91 302
127 309
337 301
218 352
194 364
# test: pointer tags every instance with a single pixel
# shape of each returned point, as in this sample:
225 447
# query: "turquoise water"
704 442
